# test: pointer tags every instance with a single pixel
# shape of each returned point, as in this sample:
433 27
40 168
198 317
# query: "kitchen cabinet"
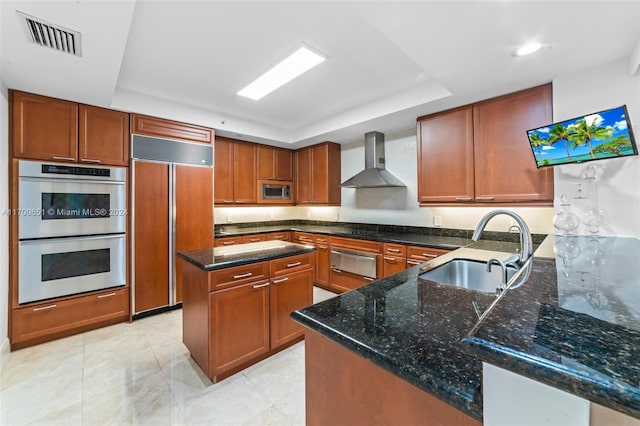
417 254
233 317
281 236
394 258
226 241
161 128
480 154
235 172
341 280
56 318
45 128
322 255
254 238
317 174
274 163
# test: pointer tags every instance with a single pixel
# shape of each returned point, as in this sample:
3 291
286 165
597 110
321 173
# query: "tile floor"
140 373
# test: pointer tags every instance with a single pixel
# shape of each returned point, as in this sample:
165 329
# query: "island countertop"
214 258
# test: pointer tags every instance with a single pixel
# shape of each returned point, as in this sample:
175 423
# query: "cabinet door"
289 293
244 173
445 157
104 136
325 176
223 171
266 162
392 265
151 235
323 264
504 166
342 281
304 171
283 164
194 214
158 127
44 128
239 318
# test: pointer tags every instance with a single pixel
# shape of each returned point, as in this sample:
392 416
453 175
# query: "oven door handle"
40 241
63 180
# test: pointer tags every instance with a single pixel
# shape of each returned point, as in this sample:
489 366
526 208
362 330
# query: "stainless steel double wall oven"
72 224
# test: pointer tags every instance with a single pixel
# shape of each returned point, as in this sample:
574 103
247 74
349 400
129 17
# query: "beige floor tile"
66 416
320 294
269 417
293 407
278 376
186 379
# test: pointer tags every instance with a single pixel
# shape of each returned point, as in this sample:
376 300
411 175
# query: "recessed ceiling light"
300 61
528 49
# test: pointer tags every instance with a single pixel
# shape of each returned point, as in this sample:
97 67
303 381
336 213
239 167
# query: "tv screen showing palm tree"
604 134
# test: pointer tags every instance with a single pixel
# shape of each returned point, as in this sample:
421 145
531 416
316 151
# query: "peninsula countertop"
578 332
211 259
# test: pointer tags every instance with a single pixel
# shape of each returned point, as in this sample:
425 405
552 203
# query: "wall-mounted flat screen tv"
597 136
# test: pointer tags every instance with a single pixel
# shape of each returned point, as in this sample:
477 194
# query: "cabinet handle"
486 198
392 250
44 308
369 279
261 285
291 265
429 255
102 296
280 281
90 160
64 158
248 274
414 262
337 270
254 240
321 247
227 201
463 198
390 259
321 240
228 243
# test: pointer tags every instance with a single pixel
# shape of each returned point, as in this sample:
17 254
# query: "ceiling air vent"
50 35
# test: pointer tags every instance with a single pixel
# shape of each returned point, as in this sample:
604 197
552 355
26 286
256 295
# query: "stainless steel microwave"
275 191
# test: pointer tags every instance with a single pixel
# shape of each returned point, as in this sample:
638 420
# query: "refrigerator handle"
172 235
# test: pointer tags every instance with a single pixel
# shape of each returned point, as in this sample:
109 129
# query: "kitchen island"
429 336
237 302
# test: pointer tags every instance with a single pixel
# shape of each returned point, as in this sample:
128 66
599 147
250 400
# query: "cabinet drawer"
303 238
280 236
342 281
360 245
322 240
424 253
394 249
226 241
238 275
253 238
151 126
290 264
55 318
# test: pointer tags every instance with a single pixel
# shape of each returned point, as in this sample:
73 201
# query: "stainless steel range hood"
374 175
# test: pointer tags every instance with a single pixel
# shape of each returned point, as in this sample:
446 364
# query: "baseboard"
5 351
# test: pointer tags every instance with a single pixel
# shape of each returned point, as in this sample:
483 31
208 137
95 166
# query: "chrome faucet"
525 235
503 284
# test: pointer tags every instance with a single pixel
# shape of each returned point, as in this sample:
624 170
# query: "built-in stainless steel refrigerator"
172 211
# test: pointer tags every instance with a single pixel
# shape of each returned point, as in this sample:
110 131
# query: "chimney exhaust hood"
374 175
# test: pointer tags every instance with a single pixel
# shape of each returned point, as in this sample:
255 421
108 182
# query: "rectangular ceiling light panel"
50 35
300 61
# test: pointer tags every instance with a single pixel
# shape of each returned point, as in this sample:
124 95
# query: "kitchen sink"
469 274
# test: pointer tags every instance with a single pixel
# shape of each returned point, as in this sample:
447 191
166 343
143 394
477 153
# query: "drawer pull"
392 250
64 158
429 255
102 296
261 285
337 270
254 240
414 262
291 265
320 240
280 281
321 247
228 243
44 308
369 279
463 198
390 259
90 160
247 275
487 198
228 201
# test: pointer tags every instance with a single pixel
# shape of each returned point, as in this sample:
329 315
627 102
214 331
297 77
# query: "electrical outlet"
228 218
437 221
337 218
272 215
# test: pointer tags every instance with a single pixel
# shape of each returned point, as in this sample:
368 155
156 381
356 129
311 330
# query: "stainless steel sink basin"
469 274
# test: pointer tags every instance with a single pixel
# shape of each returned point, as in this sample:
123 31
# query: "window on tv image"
604 134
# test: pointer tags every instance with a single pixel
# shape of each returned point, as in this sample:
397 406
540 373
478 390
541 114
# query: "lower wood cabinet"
59 318
323 262
342 281
254 238
234 317
417 254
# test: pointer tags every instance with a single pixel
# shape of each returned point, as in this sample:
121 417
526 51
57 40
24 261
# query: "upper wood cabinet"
104 136
275 163
480 154
45 128
317 174
161 128
235 172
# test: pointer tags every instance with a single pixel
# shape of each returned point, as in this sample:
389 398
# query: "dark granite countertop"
410 235
574 324
225 257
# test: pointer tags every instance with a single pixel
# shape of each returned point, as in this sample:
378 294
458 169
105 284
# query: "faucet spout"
525 234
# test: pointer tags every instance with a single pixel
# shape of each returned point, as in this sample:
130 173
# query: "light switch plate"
437 221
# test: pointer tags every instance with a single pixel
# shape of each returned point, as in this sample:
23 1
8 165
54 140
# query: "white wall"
617 180
4 218
391 206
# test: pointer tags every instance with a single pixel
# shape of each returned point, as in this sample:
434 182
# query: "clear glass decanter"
565 221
